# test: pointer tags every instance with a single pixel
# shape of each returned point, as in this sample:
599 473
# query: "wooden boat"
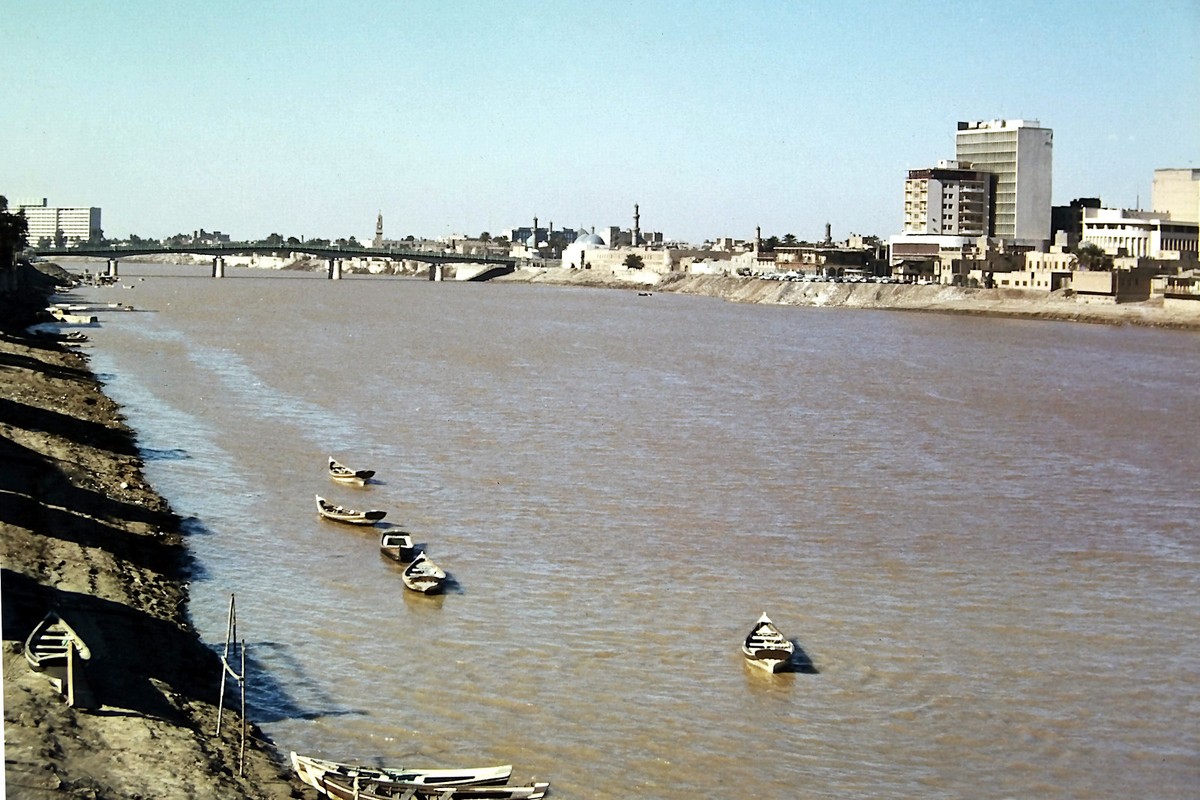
423 576
350 516
342 788
397 546
766 647
310 770
50 642
343 474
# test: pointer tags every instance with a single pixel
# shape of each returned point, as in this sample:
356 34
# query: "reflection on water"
980 532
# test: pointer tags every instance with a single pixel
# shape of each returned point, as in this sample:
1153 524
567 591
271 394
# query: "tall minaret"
535 239
757 238
378 243
637 226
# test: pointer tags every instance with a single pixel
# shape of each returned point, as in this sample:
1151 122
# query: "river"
982 532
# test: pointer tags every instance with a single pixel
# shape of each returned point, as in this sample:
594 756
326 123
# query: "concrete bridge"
489 266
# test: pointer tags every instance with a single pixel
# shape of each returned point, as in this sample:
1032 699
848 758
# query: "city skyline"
309 119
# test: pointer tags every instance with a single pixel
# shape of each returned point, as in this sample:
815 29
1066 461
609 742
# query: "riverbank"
1015 303
85 534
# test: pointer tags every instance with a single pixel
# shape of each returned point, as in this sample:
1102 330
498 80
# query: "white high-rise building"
45 222
1020 153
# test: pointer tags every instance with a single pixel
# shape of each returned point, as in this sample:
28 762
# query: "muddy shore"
1014 303
84 534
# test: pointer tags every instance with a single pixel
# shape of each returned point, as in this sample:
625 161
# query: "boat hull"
310 770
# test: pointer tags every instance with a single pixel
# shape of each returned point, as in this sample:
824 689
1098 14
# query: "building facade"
46 222
1140 234
1020 154
1177 192
948 200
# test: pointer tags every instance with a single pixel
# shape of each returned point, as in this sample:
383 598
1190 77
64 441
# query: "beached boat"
343 474
350 516
50 642
397 546
310 770
424 576
342 788
766 647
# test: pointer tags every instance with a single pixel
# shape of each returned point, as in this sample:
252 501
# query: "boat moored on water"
397 546
350 516
342 788
311 770
424 576
767 648
343 474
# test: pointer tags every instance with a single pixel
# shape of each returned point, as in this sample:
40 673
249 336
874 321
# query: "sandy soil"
940 299
84 534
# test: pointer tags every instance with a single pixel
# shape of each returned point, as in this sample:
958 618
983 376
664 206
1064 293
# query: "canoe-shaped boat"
310 770
423 576
397 546
766 647
342 788
350 516
50 642
343 474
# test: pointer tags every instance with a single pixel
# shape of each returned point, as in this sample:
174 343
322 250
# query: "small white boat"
350 516
340 788
766 647
397 546
50 642
311 770
423 576
343 474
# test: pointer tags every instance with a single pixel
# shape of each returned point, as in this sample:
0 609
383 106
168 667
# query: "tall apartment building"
950 199
1020 153
45 222
1177 192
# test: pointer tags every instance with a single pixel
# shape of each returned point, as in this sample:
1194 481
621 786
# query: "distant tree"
410 238
633 261
1092 257
293 241
501 240
485 237
789 239
353 243
60 239
769 244
274 240
14 234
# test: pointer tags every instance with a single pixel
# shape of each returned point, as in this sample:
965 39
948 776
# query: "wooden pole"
230 628
242 750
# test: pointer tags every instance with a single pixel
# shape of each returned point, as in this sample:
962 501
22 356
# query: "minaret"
535 239
637 226
378 243
828 234
757 238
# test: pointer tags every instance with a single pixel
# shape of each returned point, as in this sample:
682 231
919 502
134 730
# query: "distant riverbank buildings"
59 226
985 218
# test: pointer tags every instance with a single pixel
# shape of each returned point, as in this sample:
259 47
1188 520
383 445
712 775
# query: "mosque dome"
590 241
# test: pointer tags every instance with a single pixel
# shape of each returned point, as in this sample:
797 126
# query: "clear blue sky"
307 119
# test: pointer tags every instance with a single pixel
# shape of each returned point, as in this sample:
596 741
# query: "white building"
1177 192
950 199
1140 234
1020 153
45 222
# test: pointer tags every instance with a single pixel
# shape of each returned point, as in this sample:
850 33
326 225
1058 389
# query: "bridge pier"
335 269
435 272
112 268
218 270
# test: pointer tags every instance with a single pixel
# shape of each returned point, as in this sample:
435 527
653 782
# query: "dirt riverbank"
84 534
1017 303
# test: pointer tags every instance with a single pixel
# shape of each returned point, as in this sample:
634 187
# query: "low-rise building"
1150 234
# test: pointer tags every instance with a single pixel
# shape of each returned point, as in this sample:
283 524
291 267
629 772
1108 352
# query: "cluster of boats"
420 574
359 782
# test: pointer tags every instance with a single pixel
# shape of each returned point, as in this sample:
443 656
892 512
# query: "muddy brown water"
982 532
